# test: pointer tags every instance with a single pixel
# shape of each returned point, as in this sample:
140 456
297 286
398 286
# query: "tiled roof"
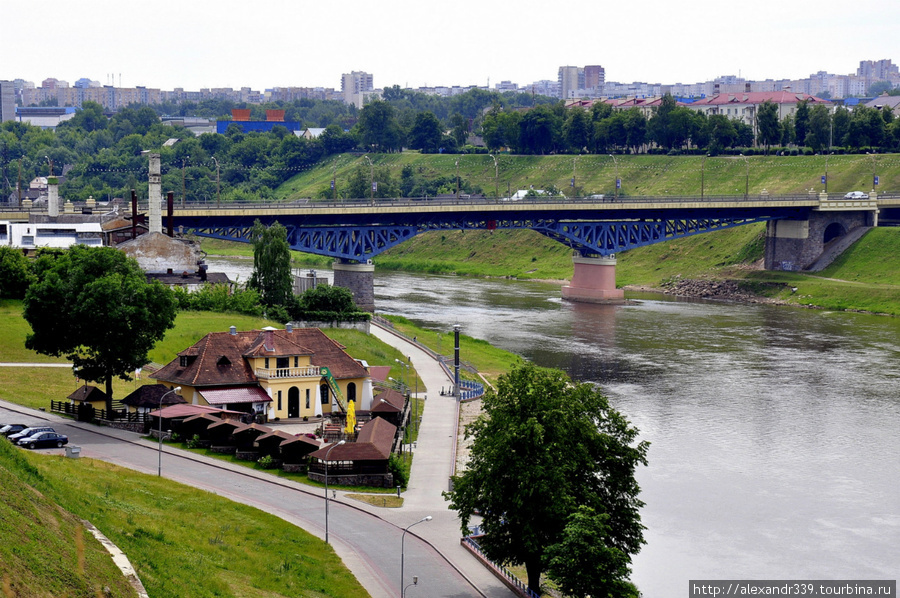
758 97
149 395
393 402
87 393
373 443
235 394
187 410
275 436
379 373
219 357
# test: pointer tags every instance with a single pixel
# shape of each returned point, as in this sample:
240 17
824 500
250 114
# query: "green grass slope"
640 174
181 541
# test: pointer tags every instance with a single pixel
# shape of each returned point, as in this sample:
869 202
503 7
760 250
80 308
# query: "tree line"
102 156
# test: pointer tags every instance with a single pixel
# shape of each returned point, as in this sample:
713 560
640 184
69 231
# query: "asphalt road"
368 544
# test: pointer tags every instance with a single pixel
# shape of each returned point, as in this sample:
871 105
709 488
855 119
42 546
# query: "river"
774 431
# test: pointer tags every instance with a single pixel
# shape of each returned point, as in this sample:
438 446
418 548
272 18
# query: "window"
266 365
282 363
279 398
323 394
307 398
296 361
351 391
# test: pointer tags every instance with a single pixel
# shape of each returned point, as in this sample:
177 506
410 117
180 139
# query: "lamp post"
702 173
218 196
616 163
457 179
496 177
828 155
175 390
402 540
371 179
874 176
328 452
747 181
414 583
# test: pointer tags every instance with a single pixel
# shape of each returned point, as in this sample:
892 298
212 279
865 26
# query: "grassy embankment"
241 551
865 275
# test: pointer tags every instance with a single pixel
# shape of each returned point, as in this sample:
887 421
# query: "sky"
197 44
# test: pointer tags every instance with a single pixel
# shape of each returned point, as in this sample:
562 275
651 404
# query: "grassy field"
239 552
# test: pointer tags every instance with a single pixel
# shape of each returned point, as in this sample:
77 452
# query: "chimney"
52 196
289 327
232 331
155 195
170 222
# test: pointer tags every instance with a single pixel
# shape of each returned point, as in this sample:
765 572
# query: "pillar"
154 222
359 279
593 281
52 197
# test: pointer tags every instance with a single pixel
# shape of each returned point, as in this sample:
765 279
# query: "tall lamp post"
825 178
175 390
747 180
616 163
371 179
218 194
496 177
328 452
702 173
403 539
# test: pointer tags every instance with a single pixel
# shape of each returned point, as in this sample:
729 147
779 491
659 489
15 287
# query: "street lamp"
414 583
175 390
328 452
218 196
371 179
457 179
616 163
747 183
874 176
828 155
702 173
496 177
402 540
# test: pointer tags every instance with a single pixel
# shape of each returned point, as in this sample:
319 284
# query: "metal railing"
514 582
299 372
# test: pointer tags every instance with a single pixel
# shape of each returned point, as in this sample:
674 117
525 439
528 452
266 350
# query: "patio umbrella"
351 417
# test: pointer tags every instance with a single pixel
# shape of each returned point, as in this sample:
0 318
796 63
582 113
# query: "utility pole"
183 187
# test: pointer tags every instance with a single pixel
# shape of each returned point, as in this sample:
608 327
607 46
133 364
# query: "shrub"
399 469
194 442
266 462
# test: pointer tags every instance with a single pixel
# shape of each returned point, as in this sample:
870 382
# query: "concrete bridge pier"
359 278
593 281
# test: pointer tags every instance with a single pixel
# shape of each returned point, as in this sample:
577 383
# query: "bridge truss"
358 240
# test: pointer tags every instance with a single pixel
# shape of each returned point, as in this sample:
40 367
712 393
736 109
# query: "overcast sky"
195 44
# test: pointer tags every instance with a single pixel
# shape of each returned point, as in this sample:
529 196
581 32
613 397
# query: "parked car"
42 439
8 429
857 195
15 438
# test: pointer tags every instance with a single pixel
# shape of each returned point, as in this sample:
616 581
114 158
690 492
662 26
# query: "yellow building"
277 373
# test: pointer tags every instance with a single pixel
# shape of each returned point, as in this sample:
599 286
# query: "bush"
399 469
194 442
266 462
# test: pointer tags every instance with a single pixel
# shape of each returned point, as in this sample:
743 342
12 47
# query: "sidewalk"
431 466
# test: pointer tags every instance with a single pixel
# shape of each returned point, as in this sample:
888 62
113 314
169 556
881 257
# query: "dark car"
15 438
42 439
9 429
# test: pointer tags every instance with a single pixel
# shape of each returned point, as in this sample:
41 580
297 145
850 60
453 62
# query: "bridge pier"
359 278
593 281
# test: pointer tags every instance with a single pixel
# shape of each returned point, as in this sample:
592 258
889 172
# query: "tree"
539 131
583 564
818 135
801 122
94 306
271 264
378 128
544 446
325 301
768 127
577 130
15 275
426 132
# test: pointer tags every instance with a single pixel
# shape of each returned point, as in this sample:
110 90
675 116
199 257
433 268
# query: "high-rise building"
7 101
571 78
594 77
354 85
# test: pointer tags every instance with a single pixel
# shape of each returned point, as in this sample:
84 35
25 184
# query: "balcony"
311 371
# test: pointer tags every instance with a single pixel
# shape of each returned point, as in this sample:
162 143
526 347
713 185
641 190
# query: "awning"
235 394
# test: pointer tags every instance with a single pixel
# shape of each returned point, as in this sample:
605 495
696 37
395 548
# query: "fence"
86 412
504 574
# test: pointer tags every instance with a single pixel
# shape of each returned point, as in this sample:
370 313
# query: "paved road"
365 537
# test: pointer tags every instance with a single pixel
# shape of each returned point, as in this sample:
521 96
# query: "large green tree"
15 274
378 128
767 125
94 306
271 264
543 447
426 133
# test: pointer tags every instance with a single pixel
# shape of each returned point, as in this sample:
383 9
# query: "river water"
774 431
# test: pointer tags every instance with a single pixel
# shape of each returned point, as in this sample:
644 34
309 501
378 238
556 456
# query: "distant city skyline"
197 45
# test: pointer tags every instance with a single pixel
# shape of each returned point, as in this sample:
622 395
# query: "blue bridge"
355 232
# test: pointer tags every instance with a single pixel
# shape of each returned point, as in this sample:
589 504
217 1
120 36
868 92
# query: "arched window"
351 391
